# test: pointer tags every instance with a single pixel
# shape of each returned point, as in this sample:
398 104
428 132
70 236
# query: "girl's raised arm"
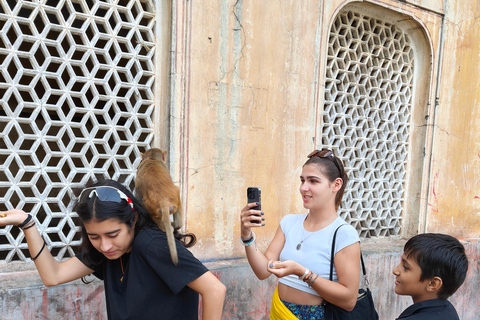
51 271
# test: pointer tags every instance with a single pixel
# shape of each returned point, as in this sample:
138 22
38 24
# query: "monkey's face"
110 237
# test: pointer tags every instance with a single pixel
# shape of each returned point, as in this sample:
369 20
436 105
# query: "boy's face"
407 280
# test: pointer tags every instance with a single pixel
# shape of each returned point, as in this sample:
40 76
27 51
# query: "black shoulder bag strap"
364 307
333 256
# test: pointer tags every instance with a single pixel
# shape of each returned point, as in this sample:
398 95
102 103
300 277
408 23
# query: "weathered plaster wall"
248 116
246 104
454 197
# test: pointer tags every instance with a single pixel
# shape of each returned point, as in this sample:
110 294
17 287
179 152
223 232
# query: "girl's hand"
250 218
285 268
12 217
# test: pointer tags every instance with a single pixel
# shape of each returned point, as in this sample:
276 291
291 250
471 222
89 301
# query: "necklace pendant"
299 246
121 279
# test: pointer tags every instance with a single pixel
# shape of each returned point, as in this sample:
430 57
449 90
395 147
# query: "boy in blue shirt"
433 267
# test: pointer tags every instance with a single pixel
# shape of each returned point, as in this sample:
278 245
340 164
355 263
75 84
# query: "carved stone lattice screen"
368 98
76 81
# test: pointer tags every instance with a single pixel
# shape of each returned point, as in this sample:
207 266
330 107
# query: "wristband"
21 225
249 241
311 283
304 275
309 277
29 225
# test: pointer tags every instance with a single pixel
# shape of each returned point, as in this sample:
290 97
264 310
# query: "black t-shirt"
152 286
435 309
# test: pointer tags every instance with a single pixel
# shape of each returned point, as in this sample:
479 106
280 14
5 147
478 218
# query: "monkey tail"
170 234
188 239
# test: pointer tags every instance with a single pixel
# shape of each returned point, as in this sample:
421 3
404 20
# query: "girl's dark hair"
332 167
439 255
93 209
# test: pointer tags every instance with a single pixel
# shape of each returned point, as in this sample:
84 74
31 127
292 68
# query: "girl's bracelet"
24 223
43 247
29 225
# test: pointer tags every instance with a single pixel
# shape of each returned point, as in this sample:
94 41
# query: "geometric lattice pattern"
76 80
366 119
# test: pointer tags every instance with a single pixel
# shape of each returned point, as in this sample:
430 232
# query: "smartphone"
255 195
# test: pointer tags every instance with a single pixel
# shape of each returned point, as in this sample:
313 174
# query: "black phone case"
254 195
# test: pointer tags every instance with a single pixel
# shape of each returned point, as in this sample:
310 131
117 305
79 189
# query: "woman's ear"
434 284
337 184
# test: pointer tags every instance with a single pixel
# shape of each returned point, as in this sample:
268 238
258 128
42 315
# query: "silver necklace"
299 246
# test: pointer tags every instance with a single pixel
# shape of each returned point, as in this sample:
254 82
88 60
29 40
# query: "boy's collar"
427 304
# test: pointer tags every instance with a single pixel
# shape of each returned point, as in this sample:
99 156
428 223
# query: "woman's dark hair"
439 255
332 167
94 210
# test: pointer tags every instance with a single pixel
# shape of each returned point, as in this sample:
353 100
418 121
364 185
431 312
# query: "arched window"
370 85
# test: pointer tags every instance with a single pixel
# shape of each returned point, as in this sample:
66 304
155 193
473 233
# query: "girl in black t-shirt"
122 246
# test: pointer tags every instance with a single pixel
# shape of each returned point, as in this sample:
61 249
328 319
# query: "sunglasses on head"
326 154
104 193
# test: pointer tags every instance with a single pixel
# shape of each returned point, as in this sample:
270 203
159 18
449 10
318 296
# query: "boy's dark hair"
439 255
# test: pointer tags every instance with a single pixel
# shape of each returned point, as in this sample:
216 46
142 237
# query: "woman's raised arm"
258 261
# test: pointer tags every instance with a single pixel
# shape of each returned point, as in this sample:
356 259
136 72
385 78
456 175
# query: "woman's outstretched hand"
12 217
285 268
250 218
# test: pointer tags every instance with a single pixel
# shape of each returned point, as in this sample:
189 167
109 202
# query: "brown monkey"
160 196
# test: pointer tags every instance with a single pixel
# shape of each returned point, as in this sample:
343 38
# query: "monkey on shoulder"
160 196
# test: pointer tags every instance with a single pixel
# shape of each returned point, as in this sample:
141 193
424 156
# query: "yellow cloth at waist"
279 311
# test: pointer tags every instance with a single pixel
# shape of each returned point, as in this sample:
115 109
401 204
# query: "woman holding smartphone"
122 246
299 254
